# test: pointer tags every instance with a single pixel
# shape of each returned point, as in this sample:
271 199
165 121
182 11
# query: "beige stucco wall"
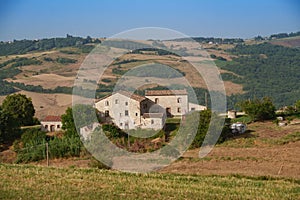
117 110
194 107
153 123
171 101
46 126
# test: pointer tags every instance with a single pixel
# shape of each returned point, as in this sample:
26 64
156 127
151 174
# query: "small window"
106 103
126 103
179 110
121 124
46 126
136 114
179 100
58 126
152 121
126 112
156 100
116 101
106 114
193 109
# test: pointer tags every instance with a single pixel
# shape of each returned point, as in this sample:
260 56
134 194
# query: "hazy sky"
30 19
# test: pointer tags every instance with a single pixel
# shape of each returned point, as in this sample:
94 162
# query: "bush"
112 131
259 109
32 146
65 60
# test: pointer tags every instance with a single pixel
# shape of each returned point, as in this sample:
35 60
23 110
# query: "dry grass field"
32 182
47 104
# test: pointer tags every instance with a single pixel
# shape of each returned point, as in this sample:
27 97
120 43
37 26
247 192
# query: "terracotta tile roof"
125 93
132 96
165 92
51 118
153 115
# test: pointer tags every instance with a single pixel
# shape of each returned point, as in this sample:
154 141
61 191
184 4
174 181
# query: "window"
126 103
152 121
136 114
179 110
116 101
193 109
106 114
120 114
126 112
179 100
121 124
156 100
58 126
106 103
46 126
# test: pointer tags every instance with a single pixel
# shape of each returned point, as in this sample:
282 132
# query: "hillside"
249 69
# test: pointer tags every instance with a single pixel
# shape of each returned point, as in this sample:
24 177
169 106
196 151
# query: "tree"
259 109
20 108
297 106
8 125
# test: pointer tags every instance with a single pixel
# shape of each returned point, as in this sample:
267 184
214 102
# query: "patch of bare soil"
47 81
259 159
63 162
47 104
256 161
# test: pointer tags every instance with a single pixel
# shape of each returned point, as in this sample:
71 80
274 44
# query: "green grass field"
32 182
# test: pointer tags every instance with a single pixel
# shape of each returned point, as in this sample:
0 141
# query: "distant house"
194 107
131 111
124 109
51 123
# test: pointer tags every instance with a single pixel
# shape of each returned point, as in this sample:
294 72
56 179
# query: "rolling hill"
47 68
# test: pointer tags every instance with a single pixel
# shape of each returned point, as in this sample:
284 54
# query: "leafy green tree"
20 108
297 106
207 125
259 109
8 125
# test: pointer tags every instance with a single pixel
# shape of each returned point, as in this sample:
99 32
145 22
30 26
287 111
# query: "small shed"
231 114
51 123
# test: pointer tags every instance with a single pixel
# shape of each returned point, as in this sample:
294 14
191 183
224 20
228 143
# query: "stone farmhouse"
131 111
51 123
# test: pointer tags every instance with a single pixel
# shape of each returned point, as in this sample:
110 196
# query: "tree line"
264 70
25 46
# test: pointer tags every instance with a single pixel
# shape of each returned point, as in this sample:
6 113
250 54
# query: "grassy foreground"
32 182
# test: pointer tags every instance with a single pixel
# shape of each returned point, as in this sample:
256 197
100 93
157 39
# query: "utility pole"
206 99
47 154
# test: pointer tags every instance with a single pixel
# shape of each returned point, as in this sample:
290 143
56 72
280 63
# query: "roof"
165 92
153 115
132 96
51 118
125 93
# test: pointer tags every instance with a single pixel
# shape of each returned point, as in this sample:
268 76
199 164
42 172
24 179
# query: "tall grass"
31 182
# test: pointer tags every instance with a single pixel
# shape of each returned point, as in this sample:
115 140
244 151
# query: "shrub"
259 109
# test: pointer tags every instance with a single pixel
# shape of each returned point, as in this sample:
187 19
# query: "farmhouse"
131 111
51 123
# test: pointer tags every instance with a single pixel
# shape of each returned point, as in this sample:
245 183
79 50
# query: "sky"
36 19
